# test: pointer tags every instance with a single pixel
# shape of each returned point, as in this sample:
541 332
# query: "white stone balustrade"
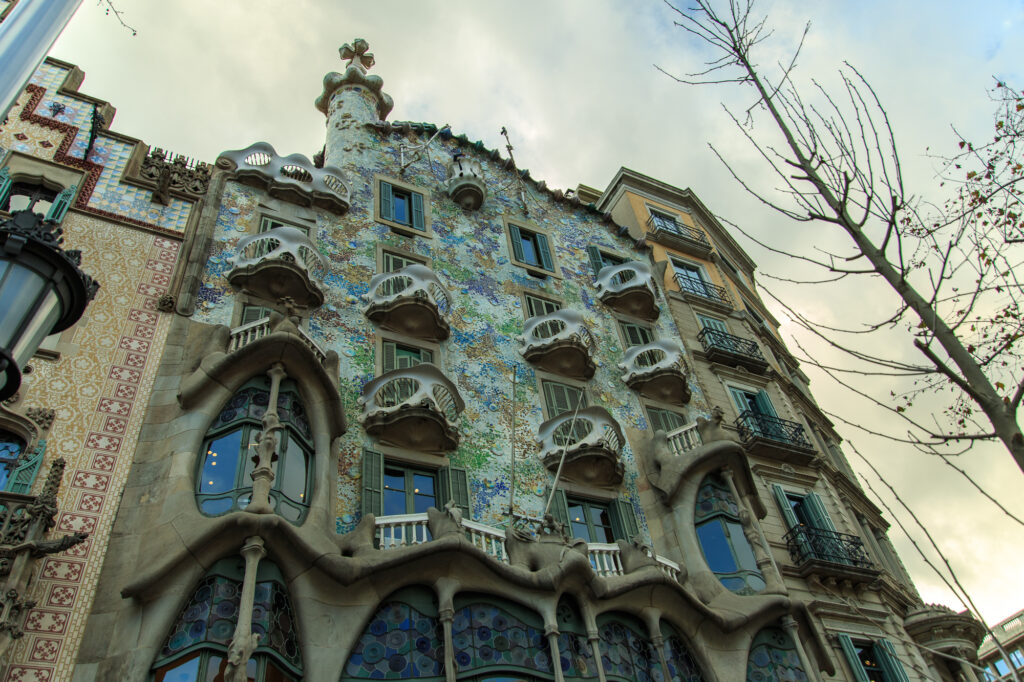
253 331
684 439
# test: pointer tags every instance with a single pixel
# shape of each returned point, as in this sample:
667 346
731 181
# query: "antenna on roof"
418 149
517 178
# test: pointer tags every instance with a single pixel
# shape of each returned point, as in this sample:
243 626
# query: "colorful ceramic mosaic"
773 658
486 636
399 643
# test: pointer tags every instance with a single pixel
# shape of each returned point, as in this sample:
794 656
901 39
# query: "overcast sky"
575 84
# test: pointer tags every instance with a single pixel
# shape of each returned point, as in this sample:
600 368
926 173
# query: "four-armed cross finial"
357 51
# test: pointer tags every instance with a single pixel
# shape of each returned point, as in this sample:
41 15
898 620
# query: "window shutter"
426 356
560 508
389 361
5 185
60 205
531 306
457 487
665 420
417 212
517 242
885 652
713 324
852 659
386 206
544 250
787 511
624 522
373 483
764 404
595 259
820 515
251 313
24 475
556 398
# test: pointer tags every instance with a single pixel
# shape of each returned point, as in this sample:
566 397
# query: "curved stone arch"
773 655
495 634
20 426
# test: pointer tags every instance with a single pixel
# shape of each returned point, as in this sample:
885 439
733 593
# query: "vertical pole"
794 633
266 450
512 482
26 35
764 557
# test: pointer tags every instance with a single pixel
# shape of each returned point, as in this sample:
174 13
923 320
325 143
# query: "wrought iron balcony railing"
731 349
666 226
752 425
706 290
410 301
816 544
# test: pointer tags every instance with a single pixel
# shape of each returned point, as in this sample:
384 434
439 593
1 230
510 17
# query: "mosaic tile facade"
99 390
470 255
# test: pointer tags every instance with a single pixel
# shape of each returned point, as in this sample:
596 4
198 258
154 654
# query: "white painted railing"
684 438
253 331
604 557
402 530
490 540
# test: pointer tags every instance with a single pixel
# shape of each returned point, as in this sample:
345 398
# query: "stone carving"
180 174
266 448
636 554
359 541
359 60
711 429
165 303
245 641
547 550
15 608
43 416
447 521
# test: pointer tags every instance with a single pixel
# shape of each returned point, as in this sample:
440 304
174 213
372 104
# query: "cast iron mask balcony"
657 371
413 407
280 263
409 301
629 289
665 230
592 443
731 350
773 436
704 292
828 553
560 343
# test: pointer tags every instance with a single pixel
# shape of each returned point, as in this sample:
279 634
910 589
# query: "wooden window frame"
433 348
406 230
537 270
545 377
383 249
526 295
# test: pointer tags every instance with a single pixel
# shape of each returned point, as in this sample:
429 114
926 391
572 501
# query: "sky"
576 86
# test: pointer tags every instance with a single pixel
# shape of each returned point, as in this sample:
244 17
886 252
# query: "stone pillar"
447 615
754 534
794 633
244 641
551 633
595 645
266 450
966 669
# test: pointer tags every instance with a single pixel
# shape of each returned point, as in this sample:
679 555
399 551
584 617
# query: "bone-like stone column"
794 633
754 534
266 451
245 641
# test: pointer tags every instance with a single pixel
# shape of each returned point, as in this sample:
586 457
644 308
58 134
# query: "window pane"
179 671
293 478
578 521
530 252
394 492
215 666
423 492
716 547
221 463
742 548
400 206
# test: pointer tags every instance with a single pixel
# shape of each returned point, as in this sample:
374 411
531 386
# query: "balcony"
408 530
280 263
253 331
657 371
410 301
292 178
732 351
774 437
684 439
560 343
592 443
415 407
629 289
829 554
695 289
667 231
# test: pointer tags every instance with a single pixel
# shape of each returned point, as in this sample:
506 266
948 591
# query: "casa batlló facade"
401 411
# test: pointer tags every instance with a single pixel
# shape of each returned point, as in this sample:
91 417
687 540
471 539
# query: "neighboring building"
1010 634
314 418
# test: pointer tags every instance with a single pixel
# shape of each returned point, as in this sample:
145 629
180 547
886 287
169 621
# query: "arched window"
403 640
773 657
11 448
498 640
682 667
196 648
574 651
224 480
725 548
626 650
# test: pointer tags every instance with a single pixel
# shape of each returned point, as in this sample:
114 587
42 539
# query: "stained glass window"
626 651
402 641
773 657
224 479
682 667
487 635
725 547
195 647
11 448
576 657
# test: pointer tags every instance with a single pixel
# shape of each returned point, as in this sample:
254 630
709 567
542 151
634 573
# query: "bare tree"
950 265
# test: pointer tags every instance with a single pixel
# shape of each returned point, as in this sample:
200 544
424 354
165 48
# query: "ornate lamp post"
42 291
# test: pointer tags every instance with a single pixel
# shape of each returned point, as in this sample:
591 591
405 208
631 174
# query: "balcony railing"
816 544
667 230
413 407
753 425
560 342
731 349
684 439
411 301
281 262
657 370
253 331
628 288
592 445
705 290
406 530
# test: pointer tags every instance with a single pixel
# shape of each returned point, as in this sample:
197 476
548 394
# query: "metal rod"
561 460
512 482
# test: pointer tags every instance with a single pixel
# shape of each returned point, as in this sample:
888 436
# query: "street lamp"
42 291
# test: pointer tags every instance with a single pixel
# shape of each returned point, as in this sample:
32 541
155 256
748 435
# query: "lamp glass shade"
29 308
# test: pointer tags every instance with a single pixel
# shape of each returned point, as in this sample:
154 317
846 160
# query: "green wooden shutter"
624 523
417 212
595 259
251 313
544 251
389 362
665 420
386 205
850 651
560 508
739 397
885 652
373 483
818 513
426 356
713 324
24 475
517 242
556 399
764 404
59 207
531 306
787 511
5 185
636 335
458 479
